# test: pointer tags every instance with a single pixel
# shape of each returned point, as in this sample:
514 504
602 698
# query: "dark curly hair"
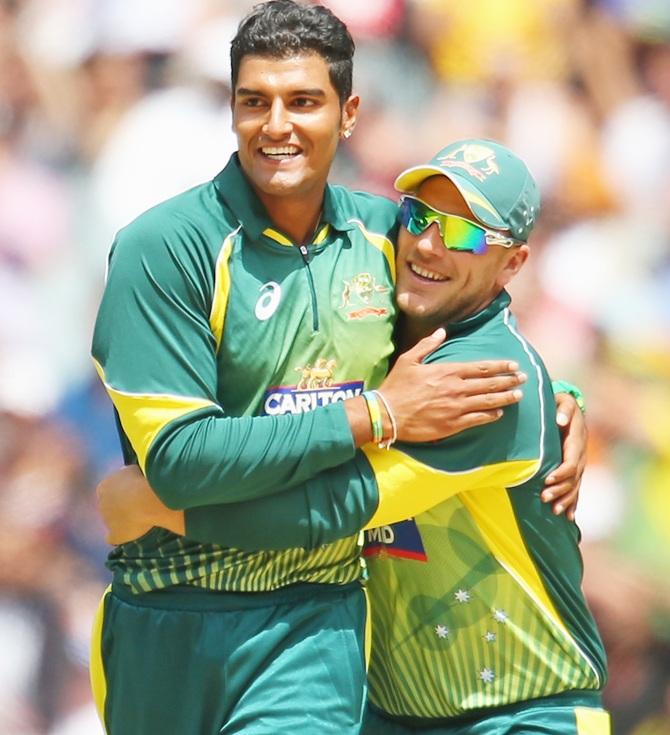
279 29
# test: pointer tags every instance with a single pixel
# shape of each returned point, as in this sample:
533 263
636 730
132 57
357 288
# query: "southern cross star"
487 676
462 596
500 616
441 631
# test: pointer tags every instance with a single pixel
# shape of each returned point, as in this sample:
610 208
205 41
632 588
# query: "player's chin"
412 304
284 183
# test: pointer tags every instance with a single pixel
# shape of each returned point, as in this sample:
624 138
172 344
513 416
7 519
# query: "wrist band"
394 426
562 386
375 416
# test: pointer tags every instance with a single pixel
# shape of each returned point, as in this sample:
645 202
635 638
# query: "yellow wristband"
375 416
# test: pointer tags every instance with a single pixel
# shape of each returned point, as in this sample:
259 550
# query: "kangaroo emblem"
477 160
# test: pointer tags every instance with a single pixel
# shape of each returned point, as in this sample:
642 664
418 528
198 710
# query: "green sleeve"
155 351
378 487
504 453
337 503
563 386
381 487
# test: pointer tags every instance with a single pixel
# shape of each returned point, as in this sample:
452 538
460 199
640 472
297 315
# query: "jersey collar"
235 191
501 302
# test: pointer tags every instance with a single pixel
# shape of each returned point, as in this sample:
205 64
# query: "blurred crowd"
109 106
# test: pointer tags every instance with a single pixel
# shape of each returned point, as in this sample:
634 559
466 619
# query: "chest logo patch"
268 301
361 297
318 376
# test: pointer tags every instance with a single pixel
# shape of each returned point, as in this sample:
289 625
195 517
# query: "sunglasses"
457 233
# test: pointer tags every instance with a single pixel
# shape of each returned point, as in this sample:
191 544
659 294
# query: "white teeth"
278 151
426 274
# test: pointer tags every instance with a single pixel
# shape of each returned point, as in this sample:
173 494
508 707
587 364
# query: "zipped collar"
236 192
501 302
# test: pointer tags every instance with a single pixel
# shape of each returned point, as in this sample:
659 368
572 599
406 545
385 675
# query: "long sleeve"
336 504
155 350
381 487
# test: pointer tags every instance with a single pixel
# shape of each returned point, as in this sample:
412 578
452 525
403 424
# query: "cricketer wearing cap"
229 312
479 623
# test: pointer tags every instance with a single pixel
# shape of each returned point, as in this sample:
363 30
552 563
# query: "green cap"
496 184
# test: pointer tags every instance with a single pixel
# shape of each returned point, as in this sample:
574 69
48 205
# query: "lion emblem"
318 376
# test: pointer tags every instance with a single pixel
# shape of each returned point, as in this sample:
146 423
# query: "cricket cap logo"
361 291
495 183
478 161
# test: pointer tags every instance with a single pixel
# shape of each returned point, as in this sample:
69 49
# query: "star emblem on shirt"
462 596
500 616
490 637
441 631
487 675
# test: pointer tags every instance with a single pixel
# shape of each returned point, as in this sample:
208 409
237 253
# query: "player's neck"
295 217
410 330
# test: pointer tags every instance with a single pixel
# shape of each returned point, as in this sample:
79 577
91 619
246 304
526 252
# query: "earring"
347 134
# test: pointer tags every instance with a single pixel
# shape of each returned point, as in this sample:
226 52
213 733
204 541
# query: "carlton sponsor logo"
291 399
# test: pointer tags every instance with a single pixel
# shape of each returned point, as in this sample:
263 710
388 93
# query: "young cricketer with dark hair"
224 321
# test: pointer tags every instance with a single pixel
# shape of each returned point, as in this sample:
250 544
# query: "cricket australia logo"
315 387
360 297
477 160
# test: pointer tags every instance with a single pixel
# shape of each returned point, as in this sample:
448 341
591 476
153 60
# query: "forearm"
336 504
377 487
225 460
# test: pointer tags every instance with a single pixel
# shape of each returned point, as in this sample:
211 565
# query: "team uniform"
479 621
209 313
479 624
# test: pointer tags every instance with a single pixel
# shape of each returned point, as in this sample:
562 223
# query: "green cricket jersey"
209 313
476 600
477 603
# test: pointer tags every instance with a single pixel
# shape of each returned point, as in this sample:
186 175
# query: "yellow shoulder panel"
221 289
143 416
408 487
381 242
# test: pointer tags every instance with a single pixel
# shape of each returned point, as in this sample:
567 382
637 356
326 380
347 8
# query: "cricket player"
479 624
240 324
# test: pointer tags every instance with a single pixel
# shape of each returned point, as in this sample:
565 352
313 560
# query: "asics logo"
268 301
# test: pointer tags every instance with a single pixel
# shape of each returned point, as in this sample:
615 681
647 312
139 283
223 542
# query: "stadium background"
108 106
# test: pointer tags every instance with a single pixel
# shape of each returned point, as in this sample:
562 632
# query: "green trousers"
191 662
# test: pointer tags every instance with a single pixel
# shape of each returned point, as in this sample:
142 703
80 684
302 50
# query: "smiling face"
288 120
437 285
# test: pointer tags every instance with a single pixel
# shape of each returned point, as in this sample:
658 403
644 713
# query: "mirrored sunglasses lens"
414 216
459 234
405 213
